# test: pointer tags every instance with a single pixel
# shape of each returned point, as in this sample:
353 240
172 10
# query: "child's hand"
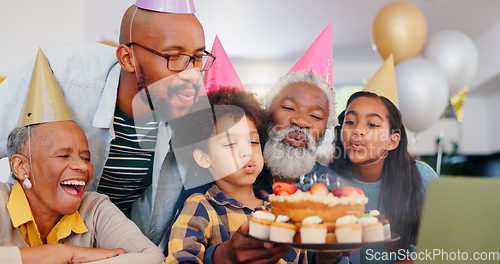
245 249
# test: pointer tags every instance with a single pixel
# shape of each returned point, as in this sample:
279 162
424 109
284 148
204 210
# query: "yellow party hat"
383 82
44 102
457 102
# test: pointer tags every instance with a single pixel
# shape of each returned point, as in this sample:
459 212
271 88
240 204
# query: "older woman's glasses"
179 62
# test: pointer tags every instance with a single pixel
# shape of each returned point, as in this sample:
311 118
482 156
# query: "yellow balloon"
399 28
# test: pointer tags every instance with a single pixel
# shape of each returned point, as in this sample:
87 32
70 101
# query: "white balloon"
422 92
456 54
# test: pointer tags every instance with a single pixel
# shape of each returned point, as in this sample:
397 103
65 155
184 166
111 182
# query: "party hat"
318 57
44 102
222 72
167 6
457 102
383 82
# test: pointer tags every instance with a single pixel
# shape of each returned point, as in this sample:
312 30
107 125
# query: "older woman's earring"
26 182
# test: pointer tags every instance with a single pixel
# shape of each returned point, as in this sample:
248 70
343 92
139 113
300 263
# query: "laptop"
460 222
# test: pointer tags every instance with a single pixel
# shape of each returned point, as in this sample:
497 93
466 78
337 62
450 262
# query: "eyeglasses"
179 62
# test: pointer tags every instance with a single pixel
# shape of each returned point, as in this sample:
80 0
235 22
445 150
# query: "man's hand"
245 249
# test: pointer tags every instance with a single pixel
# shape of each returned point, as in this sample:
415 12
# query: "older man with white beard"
302 106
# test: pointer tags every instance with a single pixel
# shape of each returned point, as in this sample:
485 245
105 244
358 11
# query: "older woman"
46 216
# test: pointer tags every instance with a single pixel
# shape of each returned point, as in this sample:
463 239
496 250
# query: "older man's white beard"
286 161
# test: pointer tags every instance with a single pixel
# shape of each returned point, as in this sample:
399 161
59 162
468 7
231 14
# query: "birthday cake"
318 202
288 199
318 214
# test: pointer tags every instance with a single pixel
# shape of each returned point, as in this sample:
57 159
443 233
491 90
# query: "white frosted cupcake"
373 230
260 224
385 222
348 230
282 230
313 231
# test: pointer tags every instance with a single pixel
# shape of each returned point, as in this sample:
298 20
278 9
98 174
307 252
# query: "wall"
4 170
27 25
103 19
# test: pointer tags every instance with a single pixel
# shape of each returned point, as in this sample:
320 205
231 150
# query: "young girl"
225 143
372 150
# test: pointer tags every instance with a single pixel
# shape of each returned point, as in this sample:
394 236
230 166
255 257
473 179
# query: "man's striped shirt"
128 170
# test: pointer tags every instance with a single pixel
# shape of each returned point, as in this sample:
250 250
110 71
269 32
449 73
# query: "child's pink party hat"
222 73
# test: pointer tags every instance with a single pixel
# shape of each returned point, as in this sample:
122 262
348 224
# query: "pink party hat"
318 57
167 6
222 73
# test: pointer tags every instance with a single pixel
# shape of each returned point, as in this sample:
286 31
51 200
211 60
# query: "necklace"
369 164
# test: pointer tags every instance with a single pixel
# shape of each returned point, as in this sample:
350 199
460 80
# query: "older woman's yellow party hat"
44 102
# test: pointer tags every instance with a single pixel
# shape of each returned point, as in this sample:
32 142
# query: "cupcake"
330 232
385 222
373 230
348 230
313 231
260 223
282 230
296 237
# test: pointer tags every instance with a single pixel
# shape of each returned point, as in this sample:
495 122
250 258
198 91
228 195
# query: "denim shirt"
89 75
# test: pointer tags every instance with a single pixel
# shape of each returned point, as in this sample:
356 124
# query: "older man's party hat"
318 57
383 82
167 6
314 66
44 101
222 73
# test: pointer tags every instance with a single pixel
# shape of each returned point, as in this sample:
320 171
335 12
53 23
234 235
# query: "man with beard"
123 99
302 107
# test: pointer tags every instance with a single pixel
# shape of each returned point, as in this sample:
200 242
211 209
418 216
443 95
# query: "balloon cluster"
447 64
